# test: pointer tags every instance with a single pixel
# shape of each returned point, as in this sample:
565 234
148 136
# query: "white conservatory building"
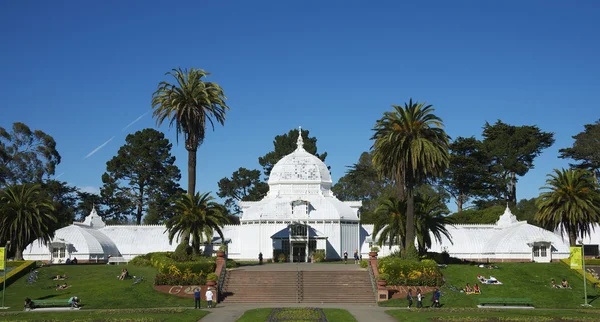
299 215
508 240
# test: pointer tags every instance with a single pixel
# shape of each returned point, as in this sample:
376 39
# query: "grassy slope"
530 280
97 286
479 315
332 315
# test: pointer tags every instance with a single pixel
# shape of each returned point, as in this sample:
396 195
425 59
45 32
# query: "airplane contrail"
98 148
134 121
58 176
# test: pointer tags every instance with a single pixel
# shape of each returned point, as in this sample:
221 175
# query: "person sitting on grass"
476 289
564 283
468 289
124 274
554 284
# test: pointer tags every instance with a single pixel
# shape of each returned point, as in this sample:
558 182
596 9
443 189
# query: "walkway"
362 312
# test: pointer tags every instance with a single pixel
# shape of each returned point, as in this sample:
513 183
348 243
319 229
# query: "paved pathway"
362 312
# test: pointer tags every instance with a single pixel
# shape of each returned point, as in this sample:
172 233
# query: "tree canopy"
141 173
26 156
467 170
410 148
26 214
362 182
512 150
586 149
244 185
571 203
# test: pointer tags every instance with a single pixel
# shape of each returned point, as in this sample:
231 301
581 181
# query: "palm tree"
25 215
571 204
199 217
410 147
430 220
188 105
390 222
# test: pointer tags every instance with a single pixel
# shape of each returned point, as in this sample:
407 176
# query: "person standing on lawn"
419 299
197 298
209 297
409 298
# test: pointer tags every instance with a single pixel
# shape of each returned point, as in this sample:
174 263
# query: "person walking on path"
436 298
209 297
197 298
409 298
356 261
419 299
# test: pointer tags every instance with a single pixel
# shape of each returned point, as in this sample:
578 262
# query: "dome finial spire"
300 142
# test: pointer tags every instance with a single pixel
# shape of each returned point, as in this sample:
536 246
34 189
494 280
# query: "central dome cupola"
300 173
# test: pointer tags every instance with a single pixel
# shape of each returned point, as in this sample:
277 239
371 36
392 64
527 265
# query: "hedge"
410 272
162 262
23 267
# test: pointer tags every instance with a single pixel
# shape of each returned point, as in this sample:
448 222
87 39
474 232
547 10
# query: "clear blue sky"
82 71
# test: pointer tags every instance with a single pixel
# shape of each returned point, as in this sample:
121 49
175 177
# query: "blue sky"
82 71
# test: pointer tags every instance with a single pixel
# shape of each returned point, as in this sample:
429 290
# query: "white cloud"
98 148
89 189
134 121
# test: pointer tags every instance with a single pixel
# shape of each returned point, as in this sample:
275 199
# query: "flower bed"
174 276
410 273
306 314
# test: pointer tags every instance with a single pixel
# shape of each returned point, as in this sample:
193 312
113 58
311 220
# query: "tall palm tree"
410 147
25 215
188 105
199 217
430 220
390 222
572 203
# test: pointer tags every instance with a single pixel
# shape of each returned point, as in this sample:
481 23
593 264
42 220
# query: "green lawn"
530 280
97 286
332 315
493 315
145 315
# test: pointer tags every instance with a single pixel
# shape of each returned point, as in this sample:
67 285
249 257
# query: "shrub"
183 253
212 277
411 273
230 263
281 258
383 277
374 249
319 255
223 248
175 277
141 260
410 253
364 263
162 262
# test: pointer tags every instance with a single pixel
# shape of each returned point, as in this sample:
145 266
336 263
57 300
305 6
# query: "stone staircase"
297 287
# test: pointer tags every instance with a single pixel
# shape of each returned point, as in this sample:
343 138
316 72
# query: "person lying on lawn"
62 287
